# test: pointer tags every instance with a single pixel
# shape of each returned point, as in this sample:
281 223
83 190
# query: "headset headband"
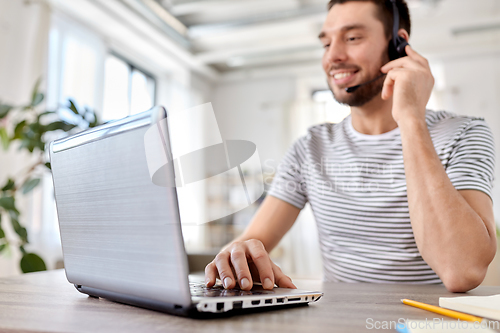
395 26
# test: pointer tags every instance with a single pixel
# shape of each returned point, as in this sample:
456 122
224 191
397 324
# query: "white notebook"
481 306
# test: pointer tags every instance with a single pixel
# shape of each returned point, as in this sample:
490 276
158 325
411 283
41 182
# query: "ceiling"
230 35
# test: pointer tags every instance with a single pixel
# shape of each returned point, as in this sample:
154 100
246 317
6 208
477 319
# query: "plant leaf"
30 262
30 185
2 247
18 228
48 165
9 186
2 233
59 125
35 92
28 144
7 203
37 99
18 130
35 127
4 110
41 145
45 113
4 137
95 121
13 212
73 107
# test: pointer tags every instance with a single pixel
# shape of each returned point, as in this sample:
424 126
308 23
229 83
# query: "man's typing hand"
243 263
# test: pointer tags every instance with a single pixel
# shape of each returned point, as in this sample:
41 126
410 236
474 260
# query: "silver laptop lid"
119 231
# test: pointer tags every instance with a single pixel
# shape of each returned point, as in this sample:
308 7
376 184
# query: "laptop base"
174 309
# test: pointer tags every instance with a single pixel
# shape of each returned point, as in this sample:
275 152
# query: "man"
400 194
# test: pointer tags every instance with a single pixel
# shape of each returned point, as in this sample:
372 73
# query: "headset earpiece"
397 44
400 47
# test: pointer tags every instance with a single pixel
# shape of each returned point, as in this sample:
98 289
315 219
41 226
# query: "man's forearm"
452 238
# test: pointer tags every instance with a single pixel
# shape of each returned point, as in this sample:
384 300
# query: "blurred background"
256 61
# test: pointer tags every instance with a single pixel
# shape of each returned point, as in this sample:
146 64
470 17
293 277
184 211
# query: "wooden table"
46 302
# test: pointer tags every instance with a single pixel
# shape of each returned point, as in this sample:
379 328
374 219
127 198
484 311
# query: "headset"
397 46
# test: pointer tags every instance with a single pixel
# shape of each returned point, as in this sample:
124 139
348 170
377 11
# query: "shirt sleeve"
289 184
472 161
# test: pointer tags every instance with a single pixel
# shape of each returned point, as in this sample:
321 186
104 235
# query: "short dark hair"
385 14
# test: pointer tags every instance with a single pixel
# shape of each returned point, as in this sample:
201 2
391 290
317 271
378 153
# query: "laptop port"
237 305
295 299
220 306
257 302
269 301
280 300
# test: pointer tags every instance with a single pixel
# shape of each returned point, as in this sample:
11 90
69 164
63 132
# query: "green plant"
32 127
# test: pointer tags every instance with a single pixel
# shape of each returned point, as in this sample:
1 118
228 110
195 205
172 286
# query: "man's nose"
335 53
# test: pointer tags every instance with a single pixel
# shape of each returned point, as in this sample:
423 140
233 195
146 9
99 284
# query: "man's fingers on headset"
224 269
240 265
388 88
281 279
416 56
404 62
261 260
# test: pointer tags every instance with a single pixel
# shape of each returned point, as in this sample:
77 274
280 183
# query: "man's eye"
326 46
352 39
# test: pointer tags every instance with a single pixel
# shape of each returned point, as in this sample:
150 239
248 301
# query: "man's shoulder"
325 132
450 123
440 118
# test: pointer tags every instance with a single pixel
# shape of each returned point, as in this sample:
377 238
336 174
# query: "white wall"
473 89
254 110
22 39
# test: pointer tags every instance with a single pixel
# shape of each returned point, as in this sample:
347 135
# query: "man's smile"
343 76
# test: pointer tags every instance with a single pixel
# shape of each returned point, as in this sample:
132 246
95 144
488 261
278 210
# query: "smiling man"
400 194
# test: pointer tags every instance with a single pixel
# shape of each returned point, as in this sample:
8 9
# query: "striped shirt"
356 186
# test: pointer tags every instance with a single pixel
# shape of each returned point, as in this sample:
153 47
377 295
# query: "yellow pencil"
442 311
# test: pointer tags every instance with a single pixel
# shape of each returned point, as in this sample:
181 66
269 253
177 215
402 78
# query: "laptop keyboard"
201 290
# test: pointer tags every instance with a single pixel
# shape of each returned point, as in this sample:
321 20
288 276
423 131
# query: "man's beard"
362 95
365 93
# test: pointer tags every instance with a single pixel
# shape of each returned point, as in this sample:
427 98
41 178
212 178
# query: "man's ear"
403 33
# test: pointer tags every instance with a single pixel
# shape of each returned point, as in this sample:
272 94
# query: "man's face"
355 50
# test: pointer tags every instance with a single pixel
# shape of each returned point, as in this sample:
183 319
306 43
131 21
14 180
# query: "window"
127 89
75 65
79 72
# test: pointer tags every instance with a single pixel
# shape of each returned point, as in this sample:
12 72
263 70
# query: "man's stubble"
365 93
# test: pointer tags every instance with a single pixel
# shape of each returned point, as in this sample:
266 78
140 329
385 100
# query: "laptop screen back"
119 231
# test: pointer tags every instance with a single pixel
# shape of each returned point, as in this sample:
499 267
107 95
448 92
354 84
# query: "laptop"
121 233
